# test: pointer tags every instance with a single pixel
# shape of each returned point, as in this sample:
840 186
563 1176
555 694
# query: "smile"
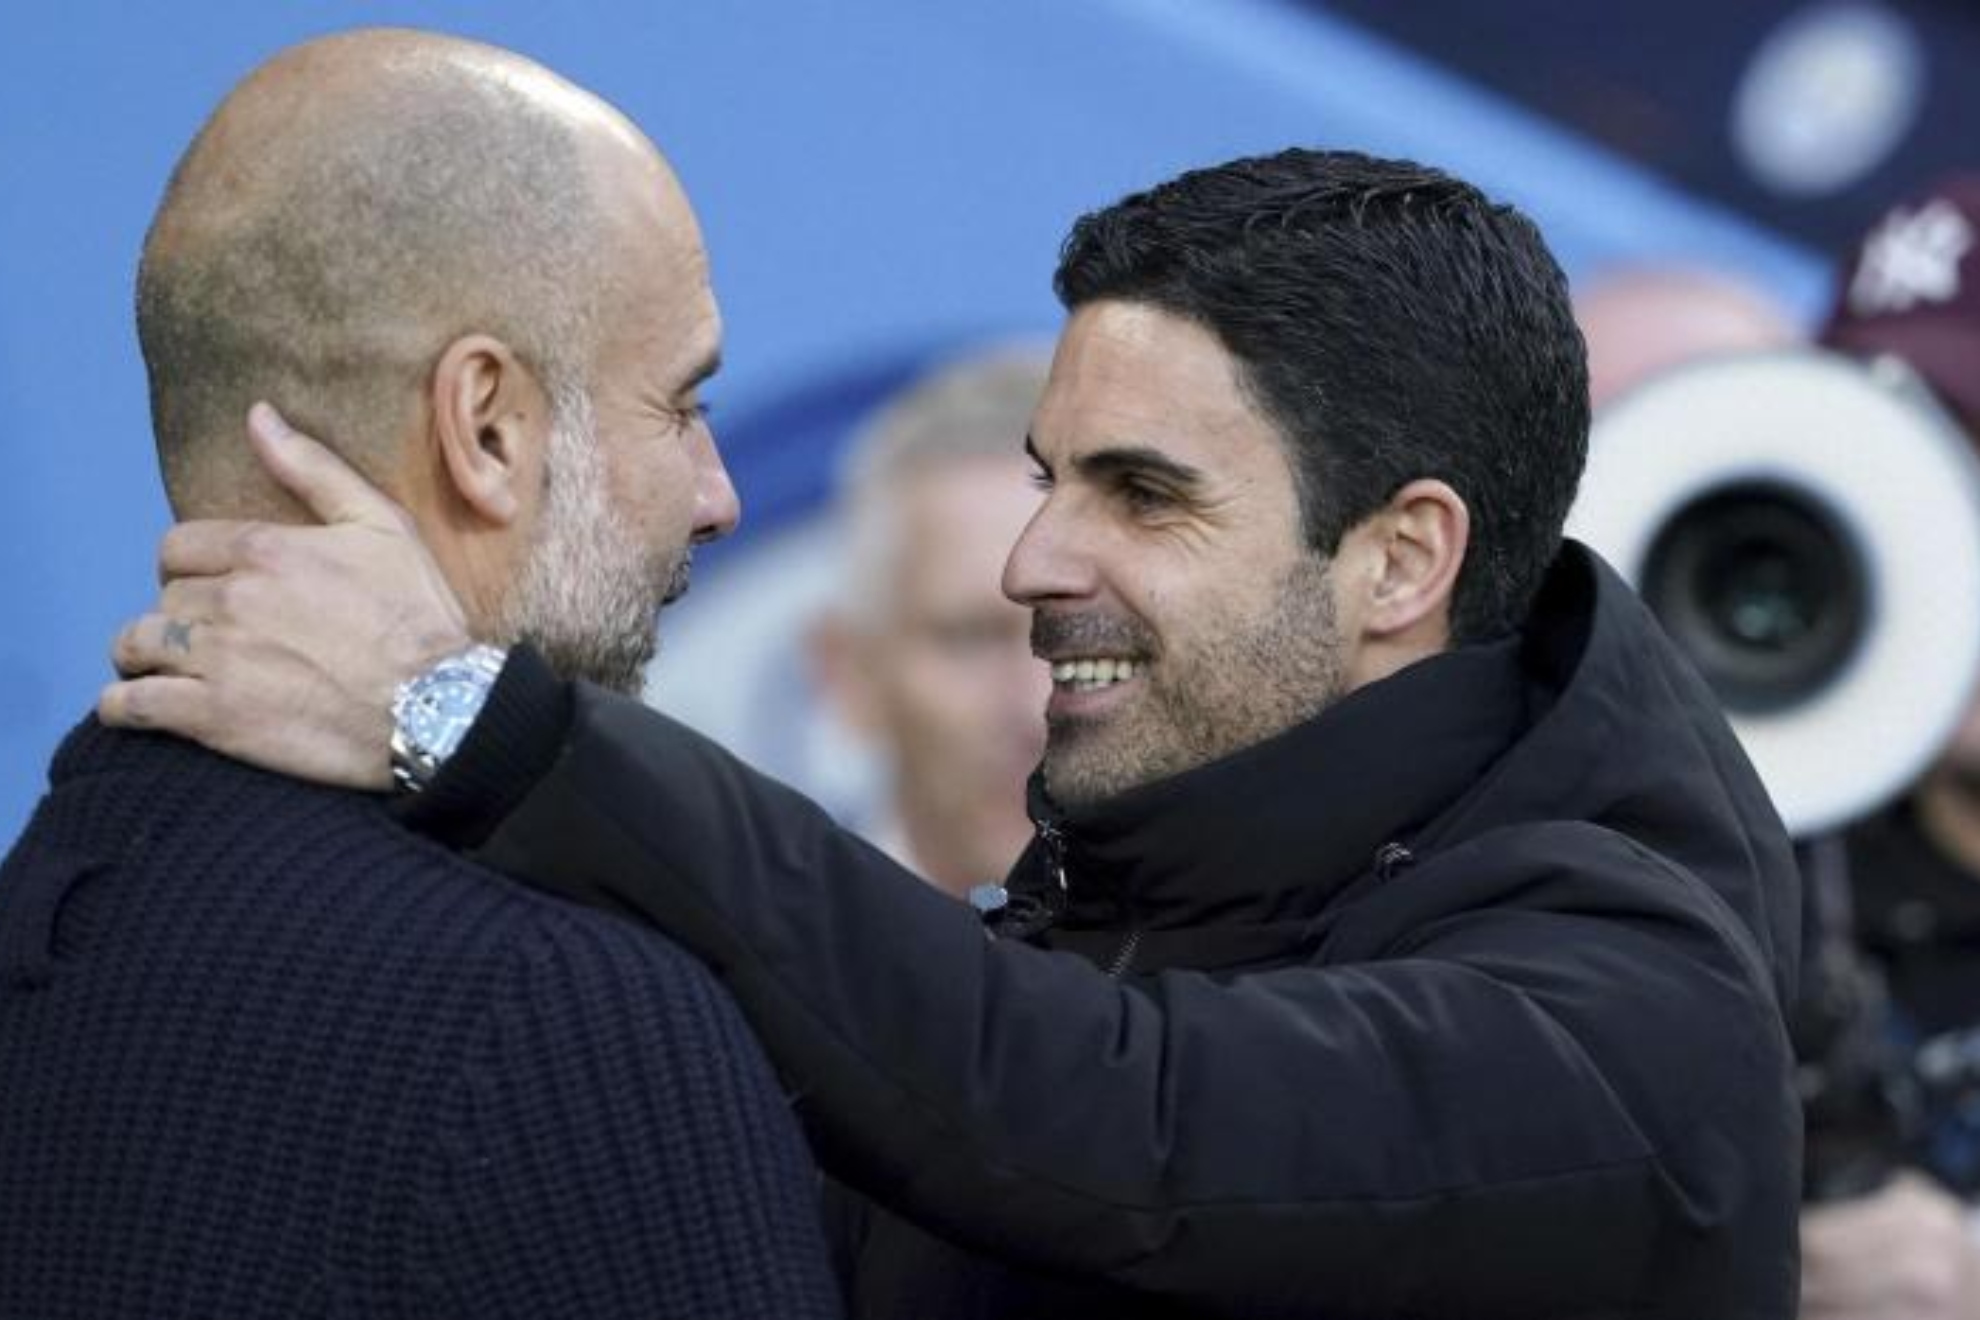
1091 674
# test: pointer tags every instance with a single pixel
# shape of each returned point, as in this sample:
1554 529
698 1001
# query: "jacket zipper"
1023 916
1055 857
1055 852
1124 957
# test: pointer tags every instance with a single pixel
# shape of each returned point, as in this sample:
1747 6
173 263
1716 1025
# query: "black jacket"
1461 999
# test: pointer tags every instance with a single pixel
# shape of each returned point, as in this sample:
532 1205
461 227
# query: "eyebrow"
1140 460
1129 460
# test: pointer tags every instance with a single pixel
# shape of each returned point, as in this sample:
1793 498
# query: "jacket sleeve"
1410 1133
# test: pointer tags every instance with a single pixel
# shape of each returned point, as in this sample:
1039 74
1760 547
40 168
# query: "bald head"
356 204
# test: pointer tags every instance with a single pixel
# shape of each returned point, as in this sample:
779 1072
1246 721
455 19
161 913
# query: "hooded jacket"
1460 999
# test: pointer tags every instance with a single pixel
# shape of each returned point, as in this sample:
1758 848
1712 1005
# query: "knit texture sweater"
265 1053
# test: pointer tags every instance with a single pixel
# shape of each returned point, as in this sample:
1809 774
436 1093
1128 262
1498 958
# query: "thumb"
329 487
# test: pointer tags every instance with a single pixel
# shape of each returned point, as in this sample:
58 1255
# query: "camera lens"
1763 589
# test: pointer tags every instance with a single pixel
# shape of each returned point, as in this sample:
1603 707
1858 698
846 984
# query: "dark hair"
1393 323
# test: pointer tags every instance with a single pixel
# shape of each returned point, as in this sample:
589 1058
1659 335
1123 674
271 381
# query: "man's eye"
686 416
1142 497
1039 478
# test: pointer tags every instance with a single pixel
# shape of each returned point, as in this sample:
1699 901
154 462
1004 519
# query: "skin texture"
612 545
305 629
601 556
511 504
939 674
1170 537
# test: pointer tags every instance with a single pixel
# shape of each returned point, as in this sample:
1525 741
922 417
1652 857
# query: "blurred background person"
1906 1245
1644 318
918 651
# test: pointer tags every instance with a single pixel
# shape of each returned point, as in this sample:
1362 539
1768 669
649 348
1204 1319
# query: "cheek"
1181 615
657 502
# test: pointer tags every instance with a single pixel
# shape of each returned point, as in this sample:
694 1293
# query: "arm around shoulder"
1260 1138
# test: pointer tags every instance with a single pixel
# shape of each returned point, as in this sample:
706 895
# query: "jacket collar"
1272 831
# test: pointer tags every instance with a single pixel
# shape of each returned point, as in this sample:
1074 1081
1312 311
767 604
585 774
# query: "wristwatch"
433 710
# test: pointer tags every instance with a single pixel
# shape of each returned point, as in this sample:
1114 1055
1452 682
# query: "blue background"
877 179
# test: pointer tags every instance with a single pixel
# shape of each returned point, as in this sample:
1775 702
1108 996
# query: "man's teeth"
1086 675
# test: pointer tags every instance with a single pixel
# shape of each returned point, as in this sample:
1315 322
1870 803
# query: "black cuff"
510 746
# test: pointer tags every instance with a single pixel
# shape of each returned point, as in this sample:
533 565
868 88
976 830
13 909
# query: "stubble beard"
589 595
1248 684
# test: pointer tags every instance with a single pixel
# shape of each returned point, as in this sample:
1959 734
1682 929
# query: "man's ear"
1420 538
491 425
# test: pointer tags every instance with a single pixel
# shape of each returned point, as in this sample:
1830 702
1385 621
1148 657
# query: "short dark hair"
1393 323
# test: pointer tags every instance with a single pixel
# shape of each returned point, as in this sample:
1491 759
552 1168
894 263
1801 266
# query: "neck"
1380 658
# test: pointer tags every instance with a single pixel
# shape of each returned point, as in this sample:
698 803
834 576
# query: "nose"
1050 561
717 507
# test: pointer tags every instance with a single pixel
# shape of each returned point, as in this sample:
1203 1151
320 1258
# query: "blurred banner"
1808 117
881 183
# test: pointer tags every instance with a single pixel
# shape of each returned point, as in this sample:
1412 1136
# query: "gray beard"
1254 682
589 596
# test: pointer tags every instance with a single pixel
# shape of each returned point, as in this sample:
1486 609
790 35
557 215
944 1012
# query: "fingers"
157 643
191 600
328 486
175 637
155 702
206 548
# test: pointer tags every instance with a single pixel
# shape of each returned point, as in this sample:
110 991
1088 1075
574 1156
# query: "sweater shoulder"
190 852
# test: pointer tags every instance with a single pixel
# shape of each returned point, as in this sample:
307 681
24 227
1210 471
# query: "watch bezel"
415 757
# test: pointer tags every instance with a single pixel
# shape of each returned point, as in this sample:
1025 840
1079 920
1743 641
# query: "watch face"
432 713
438 716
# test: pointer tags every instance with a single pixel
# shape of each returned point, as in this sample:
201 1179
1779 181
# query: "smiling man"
1404 932
1173 594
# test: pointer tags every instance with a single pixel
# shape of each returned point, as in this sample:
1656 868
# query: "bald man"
262 1052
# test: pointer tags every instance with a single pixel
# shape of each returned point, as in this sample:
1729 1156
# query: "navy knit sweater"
265 1053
